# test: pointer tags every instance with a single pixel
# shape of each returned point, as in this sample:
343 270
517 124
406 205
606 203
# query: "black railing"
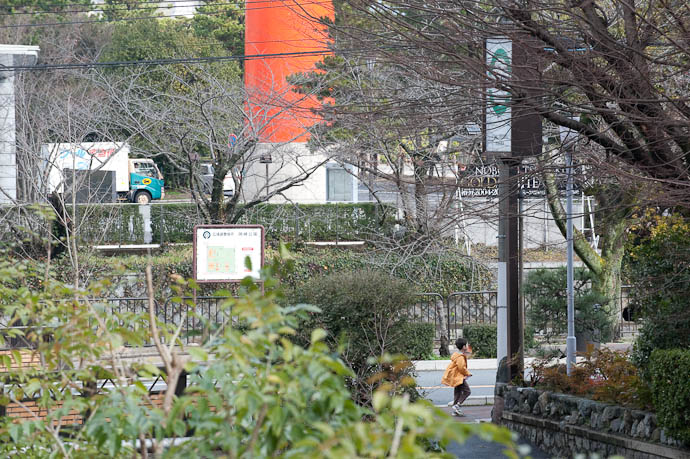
196 318
450 314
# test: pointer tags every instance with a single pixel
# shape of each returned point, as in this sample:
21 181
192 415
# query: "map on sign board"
221 252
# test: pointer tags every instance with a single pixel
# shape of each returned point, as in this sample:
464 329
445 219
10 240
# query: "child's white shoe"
457 411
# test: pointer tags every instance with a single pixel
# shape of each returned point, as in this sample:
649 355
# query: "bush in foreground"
252 392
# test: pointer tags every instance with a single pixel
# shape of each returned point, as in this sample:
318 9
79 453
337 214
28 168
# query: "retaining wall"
565 425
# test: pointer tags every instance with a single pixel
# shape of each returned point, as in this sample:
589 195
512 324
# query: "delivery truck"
101 172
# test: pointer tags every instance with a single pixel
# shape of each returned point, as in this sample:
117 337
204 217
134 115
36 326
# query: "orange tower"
291 39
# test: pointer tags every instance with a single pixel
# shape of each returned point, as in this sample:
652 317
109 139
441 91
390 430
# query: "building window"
339 185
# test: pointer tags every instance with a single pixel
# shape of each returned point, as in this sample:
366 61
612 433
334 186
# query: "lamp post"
567 135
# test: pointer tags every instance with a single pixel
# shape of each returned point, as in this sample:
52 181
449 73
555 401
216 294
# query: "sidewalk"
477 448
491 364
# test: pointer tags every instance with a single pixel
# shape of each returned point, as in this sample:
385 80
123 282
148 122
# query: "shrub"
363 313
418 341
281 399
657 266
483 340
443 272
604 375
545 290
174 223
669 372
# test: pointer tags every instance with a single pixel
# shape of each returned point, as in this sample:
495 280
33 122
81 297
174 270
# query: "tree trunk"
605 268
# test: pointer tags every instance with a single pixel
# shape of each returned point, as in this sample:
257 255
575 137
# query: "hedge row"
444 272
174 223
419 340
669 371
483 340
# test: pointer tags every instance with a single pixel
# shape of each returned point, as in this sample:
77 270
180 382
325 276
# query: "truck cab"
145 181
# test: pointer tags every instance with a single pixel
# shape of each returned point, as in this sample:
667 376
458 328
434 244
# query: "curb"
472 364
474 400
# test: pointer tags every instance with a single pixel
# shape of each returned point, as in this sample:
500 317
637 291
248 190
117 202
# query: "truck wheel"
142 197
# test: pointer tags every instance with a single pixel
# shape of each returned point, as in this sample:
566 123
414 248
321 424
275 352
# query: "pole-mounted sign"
512 130
499 53
221 252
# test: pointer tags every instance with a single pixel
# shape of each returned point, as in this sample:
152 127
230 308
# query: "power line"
170 61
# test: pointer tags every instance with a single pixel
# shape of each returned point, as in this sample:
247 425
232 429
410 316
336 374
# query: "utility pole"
568 135
508 257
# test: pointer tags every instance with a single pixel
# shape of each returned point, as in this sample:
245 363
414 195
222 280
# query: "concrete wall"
289 162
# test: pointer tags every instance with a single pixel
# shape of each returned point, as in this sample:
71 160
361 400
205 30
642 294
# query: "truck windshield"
147 169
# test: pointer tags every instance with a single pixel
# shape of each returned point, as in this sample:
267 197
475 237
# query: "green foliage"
322 222
251 392
443 272
657 268
483 340
223 22
546 294
603 375
11 6
418 343
99 224
364 314
307 222
669 372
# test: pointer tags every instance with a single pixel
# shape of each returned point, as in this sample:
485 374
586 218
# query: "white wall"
8 159
289 162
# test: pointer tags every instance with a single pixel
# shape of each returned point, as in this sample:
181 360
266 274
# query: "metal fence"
197 318
450 314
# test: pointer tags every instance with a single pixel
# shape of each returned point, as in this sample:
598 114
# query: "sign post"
512 129
221 252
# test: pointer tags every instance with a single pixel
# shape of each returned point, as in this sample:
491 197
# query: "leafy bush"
283 399
546 293
363 313
483 340
669 372
604 375
657 267
442 272
418 341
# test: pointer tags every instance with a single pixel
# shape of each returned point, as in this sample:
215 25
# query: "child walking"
456 375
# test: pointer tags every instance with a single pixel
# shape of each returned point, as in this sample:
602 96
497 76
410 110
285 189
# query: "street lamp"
568 135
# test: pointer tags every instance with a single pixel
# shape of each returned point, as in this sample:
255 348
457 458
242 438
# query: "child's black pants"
461 392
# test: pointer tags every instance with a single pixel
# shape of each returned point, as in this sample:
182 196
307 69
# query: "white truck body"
105 156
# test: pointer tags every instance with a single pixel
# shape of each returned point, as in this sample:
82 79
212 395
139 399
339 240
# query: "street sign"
232 140
221 252
499 52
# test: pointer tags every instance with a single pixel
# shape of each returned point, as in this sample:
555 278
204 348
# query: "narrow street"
475 410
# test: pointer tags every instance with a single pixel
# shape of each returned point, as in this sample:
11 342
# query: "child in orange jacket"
456 375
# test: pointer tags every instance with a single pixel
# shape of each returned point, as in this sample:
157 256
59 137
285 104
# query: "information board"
220 252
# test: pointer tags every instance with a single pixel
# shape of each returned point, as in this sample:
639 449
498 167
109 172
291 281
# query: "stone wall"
564 425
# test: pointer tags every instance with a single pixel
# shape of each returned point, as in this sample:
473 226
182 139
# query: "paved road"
481 383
